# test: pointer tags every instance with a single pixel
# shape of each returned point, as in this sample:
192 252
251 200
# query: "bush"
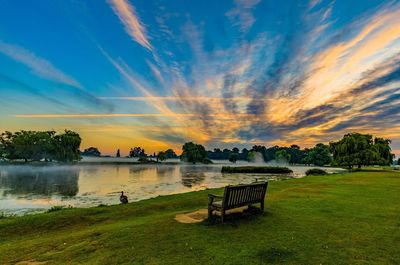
316 171
55 209
271 170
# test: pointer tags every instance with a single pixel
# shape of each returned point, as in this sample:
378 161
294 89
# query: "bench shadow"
235 218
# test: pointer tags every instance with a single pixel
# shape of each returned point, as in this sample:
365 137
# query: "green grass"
335 219
254 169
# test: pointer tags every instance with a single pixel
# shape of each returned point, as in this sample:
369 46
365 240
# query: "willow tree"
194 153
356 149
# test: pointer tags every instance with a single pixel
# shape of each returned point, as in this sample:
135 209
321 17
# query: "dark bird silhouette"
123 199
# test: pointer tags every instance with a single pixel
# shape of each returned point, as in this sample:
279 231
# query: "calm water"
26 189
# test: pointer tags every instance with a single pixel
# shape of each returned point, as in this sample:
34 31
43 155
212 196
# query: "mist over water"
258 158
26 189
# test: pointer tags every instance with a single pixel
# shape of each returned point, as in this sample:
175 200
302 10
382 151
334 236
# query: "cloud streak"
39 66
129 18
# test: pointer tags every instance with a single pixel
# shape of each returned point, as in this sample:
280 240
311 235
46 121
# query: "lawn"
334 219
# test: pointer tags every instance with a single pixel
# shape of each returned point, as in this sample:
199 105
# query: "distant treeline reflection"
40 181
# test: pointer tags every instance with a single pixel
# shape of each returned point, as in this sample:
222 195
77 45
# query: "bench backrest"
244 194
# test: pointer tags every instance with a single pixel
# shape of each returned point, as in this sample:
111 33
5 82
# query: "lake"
29 189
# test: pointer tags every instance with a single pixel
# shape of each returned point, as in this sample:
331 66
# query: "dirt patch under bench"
201 215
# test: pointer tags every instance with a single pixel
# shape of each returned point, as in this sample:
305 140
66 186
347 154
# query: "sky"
157 74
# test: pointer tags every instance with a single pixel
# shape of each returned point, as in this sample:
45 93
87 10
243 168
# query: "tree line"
354 149
134 152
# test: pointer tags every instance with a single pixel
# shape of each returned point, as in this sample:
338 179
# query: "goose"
123 198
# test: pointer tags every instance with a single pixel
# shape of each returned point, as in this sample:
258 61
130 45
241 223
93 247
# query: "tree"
137 152
361 150
250 156
67 146
23 145
282 155
170 154
194 153
244 153
296 154
233 157
162 156
319 155
269 153
92 151
382 146
38 145
118 153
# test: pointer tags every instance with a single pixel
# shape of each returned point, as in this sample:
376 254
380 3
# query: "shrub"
55 209
316 171
271 170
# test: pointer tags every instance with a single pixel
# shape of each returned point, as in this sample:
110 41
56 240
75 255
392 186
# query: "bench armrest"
214 196
211 198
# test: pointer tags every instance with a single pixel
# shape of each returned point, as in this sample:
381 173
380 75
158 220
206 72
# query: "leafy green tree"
282 155
24 145
162 156
296 154
194 153
233 157
382 146
319 155
250 156
8 148
38 145
67 146
357 149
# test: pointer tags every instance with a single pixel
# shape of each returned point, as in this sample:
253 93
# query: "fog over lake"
27 188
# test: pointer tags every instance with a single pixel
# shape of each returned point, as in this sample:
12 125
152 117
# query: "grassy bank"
335 219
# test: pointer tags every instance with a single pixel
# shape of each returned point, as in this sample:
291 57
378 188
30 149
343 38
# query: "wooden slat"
236 196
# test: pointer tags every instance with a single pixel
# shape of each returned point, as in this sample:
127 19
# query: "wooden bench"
237 196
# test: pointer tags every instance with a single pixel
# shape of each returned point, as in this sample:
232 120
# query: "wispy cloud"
133 26
242 14
39 66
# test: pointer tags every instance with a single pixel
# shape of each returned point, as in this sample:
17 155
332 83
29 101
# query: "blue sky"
222 73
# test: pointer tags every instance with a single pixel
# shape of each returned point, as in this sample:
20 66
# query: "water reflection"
39 182
37 188
192 176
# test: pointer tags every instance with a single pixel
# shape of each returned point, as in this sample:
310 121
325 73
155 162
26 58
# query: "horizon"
228 74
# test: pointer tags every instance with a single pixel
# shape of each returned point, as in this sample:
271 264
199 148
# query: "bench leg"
222 215
262 206
210 213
